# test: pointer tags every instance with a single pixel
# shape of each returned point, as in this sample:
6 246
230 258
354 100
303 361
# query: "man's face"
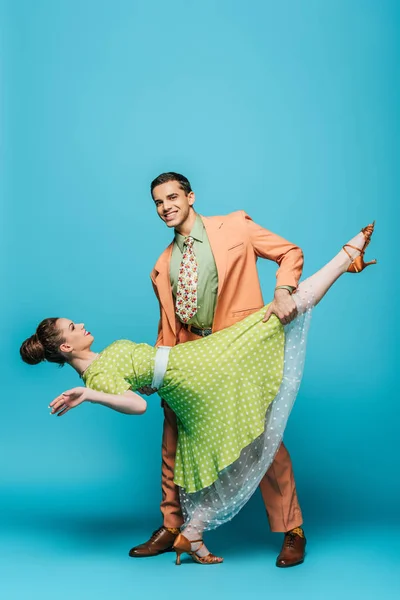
172 204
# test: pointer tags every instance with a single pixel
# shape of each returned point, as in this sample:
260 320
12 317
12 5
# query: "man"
224 289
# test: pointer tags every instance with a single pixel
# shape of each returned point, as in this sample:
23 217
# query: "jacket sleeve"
273 247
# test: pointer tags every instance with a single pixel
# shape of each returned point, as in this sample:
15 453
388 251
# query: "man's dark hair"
183 181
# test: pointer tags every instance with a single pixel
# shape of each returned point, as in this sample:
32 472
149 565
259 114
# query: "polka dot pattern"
222 500
220 388
121 366
232 393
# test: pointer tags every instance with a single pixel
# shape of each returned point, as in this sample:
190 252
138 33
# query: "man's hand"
283 306
146 390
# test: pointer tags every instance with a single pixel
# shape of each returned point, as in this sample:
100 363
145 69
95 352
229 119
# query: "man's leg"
279 493
278 490
170 506
162 539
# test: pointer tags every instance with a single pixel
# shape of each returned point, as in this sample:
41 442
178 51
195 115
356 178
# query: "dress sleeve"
108 382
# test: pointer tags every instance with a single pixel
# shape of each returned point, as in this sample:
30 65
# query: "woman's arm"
128 403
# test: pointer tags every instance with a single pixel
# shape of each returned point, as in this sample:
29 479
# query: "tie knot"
188 242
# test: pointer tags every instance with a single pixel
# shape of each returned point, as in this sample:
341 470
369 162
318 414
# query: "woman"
232 393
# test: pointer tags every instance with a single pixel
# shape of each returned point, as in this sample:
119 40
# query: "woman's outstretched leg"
314 288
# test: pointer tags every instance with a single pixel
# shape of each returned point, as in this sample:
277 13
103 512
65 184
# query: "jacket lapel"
213 227
162 268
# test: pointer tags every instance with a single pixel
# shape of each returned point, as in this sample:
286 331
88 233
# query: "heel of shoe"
180 546
357 265
178 556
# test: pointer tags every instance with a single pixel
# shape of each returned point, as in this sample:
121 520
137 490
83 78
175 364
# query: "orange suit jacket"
236 243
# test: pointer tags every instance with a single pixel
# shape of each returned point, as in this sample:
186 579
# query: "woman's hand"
69 399
128 403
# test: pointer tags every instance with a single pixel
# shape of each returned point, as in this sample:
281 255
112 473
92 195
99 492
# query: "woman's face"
76 337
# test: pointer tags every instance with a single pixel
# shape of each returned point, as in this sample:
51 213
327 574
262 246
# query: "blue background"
287 110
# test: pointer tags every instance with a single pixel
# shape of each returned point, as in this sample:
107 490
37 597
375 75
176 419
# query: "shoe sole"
291 565
150 555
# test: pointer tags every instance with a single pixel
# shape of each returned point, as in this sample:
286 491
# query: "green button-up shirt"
207 284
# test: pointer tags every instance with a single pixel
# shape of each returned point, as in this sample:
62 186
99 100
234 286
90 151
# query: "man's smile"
169 216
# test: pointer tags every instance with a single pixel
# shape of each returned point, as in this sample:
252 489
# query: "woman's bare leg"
314 288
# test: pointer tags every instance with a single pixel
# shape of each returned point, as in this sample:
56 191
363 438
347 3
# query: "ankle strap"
196 542
354 247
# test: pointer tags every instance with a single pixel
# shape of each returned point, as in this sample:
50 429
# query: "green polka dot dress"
121 366
219 387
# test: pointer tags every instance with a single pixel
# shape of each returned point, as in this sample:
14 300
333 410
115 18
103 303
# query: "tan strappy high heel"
357 264
182 544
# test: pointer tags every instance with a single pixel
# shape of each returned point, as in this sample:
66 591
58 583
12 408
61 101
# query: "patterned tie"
186 293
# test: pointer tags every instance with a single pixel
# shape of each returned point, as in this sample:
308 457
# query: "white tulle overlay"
212 506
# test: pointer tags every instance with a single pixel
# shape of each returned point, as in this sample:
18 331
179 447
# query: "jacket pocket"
236 246
247 311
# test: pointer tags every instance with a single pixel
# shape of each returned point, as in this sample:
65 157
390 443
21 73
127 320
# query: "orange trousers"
278 487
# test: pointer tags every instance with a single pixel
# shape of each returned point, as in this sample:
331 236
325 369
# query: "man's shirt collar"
197 233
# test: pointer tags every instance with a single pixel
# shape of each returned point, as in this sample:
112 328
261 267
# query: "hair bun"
32 350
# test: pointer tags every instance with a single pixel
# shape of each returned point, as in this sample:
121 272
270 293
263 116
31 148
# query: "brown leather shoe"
293 550
160 541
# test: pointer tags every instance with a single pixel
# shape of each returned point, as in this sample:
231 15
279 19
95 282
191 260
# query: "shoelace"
155 534
289 539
